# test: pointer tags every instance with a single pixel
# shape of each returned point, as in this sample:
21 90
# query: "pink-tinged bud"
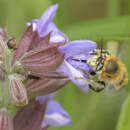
4 33
43 59
2 72
44 86
18 91
6 122
3 46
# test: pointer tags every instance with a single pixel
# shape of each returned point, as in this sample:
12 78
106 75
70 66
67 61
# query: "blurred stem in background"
113 9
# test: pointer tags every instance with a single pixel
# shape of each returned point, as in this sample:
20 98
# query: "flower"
39 57
72 49
44 25
74 69
41 113
55 115
47 57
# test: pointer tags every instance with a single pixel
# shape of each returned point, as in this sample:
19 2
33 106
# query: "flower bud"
6 122
4 33
18 91
3 46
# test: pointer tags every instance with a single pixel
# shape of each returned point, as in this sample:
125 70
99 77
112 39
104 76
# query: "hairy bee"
107 71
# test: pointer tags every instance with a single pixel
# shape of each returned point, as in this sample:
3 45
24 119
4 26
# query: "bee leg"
33 77
96 86
95 89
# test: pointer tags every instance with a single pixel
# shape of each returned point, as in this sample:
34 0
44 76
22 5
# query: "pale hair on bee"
107 71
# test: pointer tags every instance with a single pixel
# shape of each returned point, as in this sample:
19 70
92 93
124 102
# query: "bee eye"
111 67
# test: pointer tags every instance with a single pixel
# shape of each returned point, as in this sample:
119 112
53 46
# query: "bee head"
111 66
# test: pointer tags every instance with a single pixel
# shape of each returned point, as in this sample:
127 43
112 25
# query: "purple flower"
44 25
73 49
74 68
55 115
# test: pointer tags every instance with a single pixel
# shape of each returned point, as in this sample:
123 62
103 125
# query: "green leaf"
106 28
124 119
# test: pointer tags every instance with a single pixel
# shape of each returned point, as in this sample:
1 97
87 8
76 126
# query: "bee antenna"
101 46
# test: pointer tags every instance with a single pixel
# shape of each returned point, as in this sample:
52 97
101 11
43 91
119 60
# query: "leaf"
123 123
106 28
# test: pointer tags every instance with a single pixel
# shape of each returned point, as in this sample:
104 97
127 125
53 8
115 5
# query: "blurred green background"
84 19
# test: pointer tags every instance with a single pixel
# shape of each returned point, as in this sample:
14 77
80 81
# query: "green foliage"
107 28
92 111
124 119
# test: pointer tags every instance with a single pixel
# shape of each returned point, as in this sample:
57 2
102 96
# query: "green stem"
8 61
113 8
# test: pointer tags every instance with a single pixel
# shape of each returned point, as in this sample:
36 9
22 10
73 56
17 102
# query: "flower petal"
33 23
45 19
55 115
76 62
56 35
74 75
78 47
80 65
44 98
82 56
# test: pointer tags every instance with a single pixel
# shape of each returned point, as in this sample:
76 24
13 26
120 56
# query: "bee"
107 71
